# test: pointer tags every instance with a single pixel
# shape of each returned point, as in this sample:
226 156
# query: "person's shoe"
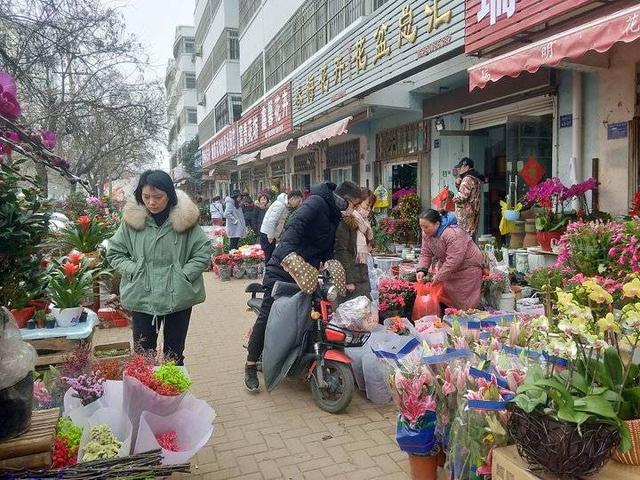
251 378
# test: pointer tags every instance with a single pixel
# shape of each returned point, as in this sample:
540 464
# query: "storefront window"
398 151
339 175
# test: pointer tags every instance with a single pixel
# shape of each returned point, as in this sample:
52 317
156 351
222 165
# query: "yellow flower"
597 293
608 323
564 297
632 289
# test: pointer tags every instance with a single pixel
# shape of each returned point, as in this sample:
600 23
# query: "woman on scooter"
311 234
458 259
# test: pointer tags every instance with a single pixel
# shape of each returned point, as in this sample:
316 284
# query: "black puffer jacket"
311 232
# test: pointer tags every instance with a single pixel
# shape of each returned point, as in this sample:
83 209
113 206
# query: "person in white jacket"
274 219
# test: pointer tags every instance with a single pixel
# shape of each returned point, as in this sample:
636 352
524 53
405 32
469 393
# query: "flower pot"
51 323
562 448
423 467
507 302
632 457
544 239
252 272
40 304
239 271
224 271
23 315
511 215
66 317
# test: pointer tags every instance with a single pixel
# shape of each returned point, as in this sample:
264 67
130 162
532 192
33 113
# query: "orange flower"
76 257
84 221
70 269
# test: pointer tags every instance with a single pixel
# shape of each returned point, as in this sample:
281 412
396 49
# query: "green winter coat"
161 267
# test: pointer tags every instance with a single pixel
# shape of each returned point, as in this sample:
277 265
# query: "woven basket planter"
632 457
562 448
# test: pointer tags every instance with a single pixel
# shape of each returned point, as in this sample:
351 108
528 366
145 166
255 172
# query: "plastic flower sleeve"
117 422
353 314
17 357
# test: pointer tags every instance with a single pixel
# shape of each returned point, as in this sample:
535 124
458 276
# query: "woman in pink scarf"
458 260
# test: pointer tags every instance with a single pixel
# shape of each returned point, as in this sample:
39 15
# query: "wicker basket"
632 457
562 448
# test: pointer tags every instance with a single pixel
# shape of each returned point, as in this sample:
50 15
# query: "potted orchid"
70 283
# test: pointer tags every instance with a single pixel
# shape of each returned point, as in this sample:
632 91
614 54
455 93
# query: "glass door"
529 150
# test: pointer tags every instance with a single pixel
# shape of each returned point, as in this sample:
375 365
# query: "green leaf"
625 437
631 394
614 366
595 405
568 414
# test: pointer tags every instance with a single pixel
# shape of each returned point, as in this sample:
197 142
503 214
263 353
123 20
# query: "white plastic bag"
375 379
17 357
191 430
119 424
137 398
353 314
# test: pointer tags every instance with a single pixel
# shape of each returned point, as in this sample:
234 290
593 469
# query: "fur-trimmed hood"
183 216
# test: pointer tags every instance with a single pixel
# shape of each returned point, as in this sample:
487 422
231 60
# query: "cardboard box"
507 465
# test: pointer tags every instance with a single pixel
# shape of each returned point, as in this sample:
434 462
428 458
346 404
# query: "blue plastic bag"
420 440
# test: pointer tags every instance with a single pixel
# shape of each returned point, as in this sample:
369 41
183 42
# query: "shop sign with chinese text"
269 120
398 39
489 22
220 147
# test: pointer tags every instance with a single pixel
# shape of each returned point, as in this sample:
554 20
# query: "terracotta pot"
544 239
632 457
423 468
23 315
41 304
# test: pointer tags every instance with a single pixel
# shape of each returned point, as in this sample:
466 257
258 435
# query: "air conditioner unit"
202 100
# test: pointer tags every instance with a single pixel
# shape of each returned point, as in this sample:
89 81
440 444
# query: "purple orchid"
9 106
48 139
6 148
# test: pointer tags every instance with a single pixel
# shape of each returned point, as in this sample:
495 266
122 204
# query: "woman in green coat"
161 252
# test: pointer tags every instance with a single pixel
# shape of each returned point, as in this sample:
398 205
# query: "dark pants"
267 247
256 341
175 333
233 243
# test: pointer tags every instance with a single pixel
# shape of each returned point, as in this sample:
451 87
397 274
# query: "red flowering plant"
395 294
70 280
223 259
635 205
167 379
85 234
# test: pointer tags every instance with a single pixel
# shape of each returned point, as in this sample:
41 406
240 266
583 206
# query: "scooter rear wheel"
339 391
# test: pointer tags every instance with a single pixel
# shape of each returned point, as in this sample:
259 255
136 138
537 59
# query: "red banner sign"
488 22
221 147
269 120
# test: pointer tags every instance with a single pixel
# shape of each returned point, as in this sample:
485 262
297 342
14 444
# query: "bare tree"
81 76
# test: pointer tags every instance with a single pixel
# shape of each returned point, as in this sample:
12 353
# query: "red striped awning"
599 35
335 129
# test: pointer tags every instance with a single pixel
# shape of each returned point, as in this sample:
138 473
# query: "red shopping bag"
443 200
427 300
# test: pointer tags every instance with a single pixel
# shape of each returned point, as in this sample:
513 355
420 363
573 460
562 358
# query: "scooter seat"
254 288
254 303
284 289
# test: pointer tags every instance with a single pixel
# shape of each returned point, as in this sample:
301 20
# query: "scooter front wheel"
336 396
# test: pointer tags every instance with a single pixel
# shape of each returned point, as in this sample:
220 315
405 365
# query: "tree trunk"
42 177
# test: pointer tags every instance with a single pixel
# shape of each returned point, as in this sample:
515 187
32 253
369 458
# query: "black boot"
251 378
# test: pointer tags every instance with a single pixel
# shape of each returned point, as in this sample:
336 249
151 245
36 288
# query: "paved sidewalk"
278 435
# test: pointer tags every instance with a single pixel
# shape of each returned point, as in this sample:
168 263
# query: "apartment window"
378 3
222 113
314 24
192 116
236 105
252 83
189 45
203 24
206 128
189 80
234 45
247 9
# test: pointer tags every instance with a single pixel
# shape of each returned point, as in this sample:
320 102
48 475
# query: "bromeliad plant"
70 280
596 385
85 234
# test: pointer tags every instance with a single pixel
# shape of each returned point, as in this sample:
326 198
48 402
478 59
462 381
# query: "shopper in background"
235 226
354 242
248 208
274 220
161 252
216 209
261 207
458 260
467 200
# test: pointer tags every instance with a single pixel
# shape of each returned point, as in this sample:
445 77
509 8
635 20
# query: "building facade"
180 86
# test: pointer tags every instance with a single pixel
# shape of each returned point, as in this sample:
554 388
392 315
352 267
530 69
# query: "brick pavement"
278 435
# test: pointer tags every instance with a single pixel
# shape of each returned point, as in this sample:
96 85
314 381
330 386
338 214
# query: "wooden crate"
113 346
32 449
52 351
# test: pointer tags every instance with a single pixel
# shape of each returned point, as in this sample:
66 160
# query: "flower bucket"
252 272
224 272
562 448
66 317
420 440
422 467
16 404
632 457
23 315
544 239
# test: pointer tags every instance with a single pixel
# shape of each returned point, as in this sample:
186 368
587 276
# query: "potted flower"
70 282
550 219
396 297
251 263
566 419
20 309
86 234
223 264
494 285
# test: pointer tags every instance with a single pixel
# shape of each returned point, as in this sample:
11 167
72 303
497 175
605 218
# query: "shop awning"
275 149
333 130
247 157
599 35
